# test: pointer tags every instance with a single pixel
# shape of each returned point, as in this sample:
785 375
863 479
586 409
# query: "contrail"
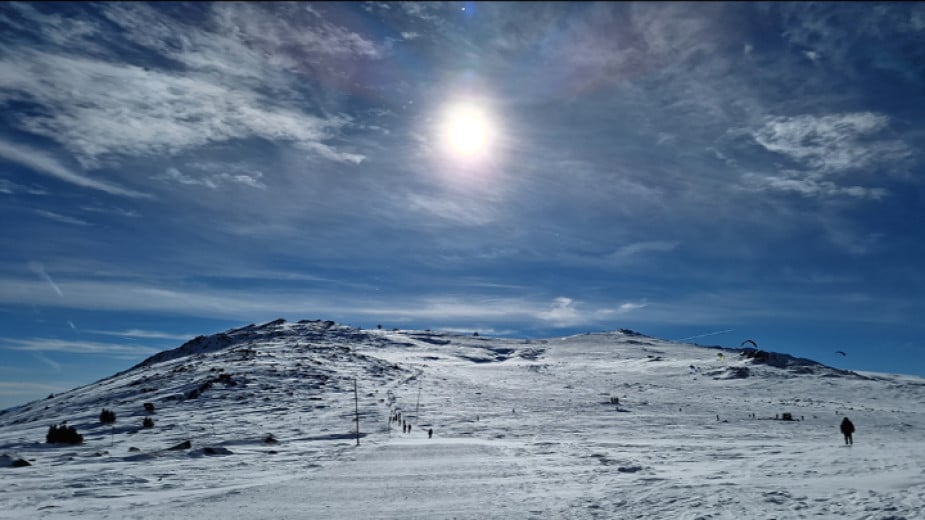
39 269
707 334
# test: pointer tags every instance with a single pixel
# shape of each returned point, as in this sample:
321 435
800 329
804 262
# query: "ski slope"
522 429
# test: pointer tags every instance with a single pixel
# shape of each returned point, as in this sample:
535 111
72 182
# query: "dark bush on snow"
21 463
107 416
149 407
147 423
63 434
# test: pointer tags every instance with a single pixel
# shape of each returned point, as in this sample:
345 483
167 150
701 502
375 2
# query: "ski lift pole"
356 402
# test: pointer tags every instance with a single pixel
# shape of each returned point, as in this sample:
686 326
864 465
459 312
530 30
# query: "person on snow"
847 428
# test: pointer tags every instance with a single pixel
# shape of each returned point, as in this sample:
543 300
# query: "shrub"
63 434
149 407
107 416
147 423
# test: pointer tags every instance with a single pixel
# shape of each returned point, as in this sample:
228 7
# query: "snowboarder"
847 428
430 433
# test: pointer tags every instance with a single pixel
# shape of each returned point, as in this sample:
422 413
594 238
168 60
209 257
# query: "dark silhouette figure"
430 433
847 428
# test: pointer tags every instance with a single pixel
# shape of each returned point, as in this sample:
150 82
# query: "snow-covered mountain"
260 422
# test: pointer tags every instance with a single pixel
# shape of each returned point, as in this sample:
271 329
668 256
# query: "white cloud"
654 246
64 219
111 211
213 180
469 211
74 347
245 305
630 306
100 110
8 187
48 361
809 187
39 270
563 313
831 143
42 163
142 334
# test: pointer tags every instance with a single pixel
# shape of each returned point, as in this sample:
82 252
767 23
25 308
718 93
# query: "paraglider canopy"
755 345
841 352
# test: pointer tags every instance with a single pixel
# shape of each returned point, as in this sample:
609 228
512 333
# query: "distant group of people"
406 426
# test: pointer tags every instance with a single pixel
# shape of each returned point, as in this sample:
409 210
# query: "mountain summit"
608 424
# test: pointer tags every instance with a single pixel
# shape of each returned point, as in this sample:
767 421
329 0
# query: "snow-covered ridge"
260 422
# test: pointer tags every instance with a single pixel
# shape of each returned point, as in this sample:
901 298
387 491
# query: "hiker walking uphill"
847 428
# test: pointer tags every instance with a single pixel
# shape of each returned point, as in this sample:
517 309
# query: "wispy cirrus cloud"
44 164
652 246
64 219
832 143
120 212
214 180
8 187
39 269
101 108
825 149
54 365
796 182
74 347
134 111
142 334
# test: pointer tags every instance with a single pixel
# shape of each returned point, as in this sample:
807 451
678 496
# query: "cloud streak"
42 163
142 334
64 219
39 270
75 347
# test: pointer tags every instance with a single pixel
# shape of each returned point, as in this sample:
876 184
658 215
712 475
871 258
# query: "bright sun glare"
467 131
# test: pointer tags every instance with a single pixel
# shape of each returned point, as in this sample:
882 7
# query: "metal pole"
356 401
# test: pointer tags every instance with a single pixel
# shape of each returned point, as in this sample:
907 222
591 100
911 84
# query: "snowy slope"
522 429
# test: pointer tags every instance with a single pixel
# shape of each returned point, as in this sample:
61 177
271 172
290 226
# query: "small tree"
63 434
107 416
147 423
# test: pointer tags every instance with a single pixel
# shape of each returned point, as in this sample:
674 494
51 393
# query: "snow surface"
522 429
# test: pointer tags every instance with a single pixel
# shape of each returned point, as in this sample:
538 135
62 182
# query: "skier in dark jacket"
847 428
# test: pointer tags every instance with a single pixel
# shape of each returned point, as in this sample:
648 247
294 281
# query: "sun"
467 130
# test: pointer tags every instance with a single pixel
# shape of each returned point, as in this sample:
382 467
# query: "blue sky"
707 171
